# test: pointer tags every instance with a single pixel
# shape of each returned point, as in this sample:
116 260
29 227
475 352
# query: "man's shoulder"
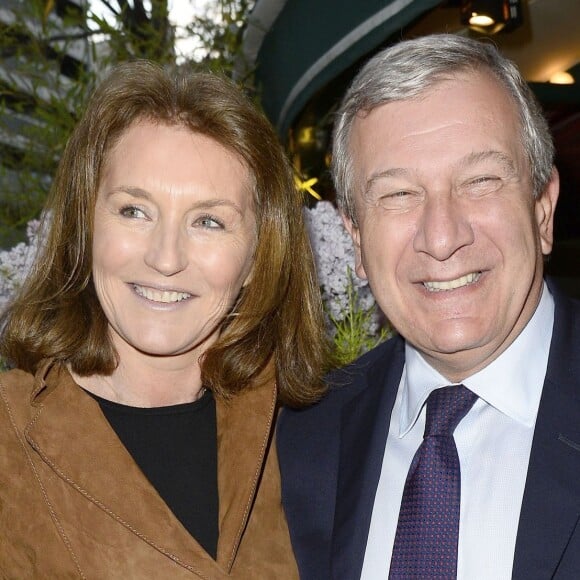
344 384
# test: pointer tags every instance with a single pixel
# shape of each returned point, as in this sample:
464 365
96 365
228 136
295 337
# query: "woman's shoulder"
16 387
16 379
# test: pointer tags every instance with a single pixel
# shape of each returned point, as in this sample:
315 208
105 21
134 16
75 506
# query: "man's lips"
444 285
162 296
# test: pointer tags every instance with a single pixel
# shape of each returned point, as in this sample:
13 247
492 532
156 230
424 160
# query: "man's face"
448 234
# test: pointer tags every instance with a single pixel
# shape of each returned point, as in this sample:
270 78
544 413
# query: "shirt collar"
512 383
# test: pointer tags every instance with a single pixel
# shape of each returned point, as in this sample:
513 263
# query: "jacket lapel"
551 503
244 436
72 436
364 429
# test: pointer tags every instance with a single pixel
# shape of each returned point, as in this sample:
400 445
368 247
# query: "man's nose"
444 227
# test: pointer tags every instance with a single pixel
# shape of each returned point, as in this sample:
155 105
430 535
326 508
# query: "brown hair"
278 315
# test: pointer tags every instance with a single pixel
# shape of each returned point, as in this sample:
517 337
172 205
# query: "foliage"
130 30
54 53
354 329
37 111
218 34
354 321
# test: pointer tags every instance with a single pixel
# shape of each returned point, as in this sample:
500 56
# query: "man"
444 172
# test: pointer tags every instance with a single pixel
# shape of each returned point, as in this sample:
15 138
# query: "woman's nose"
166 250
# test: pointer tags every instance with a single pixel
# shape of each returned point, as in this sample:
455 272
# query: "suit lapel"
551 501
72 436
364 429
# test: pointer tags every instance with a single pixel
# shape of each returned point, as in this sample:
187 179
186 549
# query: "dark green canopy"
298 46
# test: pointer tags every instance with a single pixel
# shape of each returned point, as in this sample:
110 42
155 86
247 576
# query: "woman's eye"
131 211
210 222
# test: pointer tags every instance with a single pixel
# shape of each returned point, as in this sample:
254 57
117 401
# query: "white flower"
335 261
16 263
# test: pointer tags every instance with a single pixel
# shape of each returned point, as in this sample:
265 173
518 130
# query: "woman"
171 309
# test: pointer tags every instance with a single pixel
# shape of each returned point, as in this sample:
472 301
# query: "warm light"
562 78
481 19
306 136
491 16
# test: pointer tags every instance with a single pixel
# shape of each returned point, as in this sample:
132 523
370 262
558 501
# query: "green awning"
298 46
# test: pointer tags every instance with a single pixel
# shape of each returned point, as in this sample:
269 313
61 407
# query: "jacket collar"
71 435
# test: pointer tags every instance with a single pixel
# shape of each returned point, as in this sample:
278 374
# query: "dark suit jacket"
331 456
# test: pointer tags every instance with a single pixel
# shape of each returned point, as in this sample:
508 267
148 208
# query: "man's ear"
545 207
354 232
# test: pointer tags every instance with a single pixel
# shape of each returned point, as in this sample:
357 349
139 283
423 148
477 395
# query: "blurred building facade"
40 58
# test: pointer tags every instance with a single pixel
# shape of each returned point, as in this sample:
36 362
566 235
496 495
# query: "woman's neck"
147 381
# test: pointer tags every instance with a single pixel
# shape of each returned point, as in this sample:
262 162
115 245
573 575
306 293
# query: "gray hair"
409 68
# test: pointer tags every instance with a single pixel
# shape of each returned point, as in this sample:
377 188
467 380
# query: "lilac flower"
335 261
16 263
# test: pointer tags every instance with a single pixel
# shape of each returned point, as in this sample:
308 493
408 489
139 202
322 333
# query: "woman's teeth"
165 296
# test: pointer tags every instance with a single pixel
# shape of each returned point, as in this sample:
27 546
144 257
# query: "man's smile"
440 286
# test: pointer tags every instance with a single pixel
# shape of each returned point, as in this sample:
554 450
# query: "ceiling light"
562 78
481 19
491 16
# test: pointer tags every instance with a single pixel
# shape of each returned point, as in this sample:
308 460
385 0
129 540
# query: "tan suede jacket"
73 504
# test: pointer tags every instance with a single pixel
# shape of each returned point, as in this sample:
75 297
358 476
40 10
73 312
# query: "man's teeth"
452 284
165 296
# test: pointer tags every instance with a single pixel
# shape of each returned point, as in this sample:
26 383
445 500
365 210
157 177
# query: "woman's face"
174 239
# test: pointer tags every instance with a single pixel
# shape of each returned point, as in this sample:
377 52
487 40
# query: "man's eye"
131 211
484 184
401 199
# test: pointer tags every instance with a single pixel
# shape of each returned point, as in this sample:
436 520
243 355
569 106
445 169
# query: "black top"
176 448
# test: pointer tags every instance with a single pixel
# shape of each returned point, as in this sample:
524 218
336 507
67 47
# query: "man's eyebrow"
489 155
471 159
378 175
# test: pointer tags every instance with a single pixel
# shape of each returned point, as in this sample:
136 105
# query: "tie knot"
445 409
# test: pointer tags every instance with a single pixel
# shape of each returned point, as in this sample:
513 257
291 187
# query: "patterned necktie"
428 529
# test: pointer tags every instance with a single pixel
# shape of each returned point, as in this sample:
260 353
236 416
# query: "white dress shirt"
493 443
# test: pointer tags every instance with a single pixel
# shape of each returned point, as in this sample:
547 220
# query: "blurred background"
295 57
